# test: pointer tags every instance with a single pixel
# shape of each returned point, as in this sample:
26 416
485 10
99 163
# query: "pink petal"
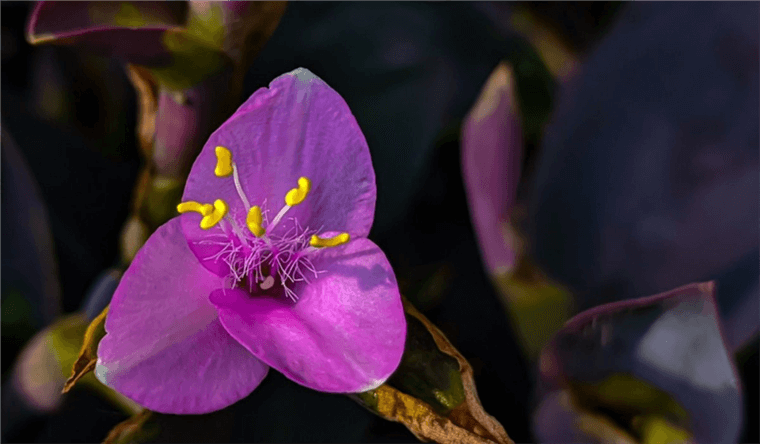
165 347
346 333
492 148
299 126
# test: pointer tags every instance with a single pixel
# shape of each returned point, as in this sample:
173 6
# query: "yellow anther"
334 241
297 195
220 209
223 162
204 209
253 220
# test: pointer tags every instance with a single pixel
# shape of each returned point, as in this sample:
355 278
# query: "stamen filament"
239 188
277 218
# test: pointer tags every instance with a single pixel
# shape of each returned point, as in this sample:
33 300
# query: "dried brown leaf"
88 354
433 391
470 414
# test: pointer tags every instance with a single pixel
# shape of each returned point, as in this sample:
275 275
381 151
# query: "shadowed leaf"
138 428
658 366
433 391
129 30
639 198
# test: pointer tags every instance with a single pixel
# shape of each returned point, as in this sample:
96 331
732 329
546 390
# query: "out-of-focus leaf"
163 195
136 429
150 426
100 292
559 419
537 305
657 365
147 93
557 56
88 354
40 371
30 271
239 28
130 30
648 174
433 391
182 43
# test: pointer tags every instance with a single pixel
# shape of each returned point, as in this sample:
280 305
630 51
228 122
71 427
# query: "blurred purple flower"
657 366
492 150
212 300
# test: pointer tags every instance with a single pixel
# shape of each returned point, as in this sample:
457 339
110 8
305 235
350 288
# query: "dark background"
409 72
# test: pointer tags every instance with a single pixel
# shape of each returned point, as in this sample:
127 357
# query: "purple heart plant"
240 282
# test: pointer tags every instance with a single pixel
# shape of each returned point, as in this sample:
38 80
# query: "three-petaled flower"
240 282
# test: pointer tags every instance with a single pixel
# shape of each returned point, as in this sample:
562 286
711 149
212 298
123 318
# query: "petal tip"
101 372
373 384
303 75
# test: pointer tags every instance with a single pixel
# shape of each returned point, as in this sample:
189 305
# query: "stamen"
203 209
220 209
225 166
296 195
319 242
253 220
223 162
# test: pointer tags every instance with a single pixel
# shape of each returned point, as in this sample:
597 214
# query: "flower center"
260 261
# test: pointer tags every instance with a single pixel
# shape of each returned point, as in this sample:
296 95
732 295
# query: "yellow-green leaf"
88 354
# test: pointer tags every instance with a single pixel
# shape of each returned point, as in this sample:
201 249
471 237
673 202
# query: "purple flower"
243 281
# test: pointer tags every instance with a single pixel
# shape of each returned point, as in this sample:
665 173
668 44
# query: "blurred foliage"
74 116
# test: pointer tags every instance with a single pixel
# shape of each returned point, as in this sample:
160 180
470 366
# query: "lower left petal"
165 347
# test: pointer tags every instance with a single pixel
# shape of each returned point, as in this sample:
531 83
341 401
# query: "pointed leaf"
433 391
88 354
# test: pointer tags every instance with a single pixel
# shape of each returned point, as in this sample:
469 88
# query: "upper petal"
346 333
299 126
164 346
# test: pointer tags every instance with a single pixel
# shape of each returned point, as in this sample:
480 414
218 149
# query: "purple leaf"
129 30
661 355
649 171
